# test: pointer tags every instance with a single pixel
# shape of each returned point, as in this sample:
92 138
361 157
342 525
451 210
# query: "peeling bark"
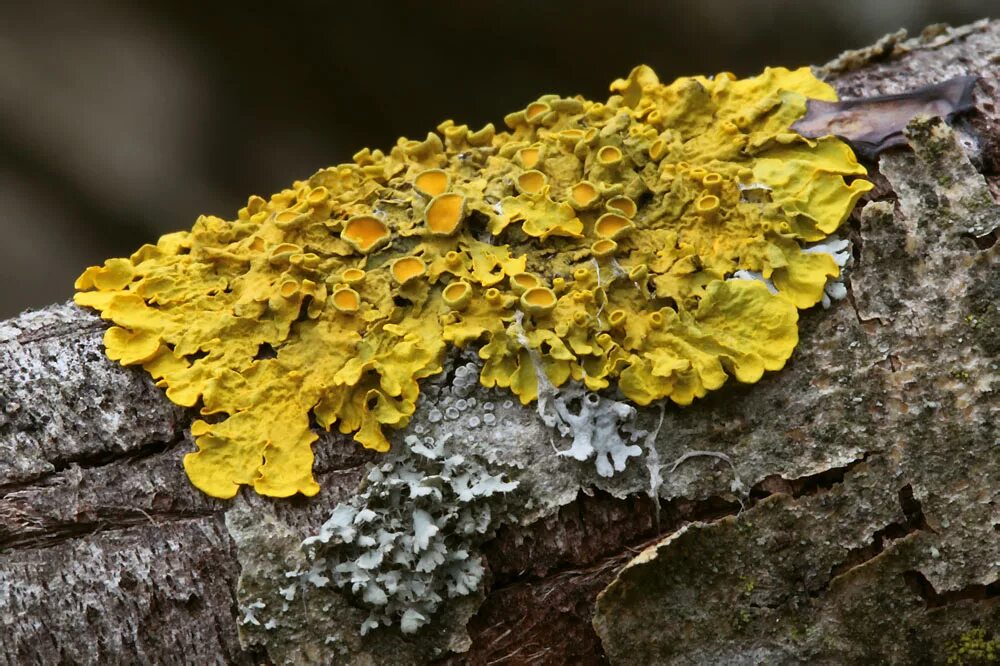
859 519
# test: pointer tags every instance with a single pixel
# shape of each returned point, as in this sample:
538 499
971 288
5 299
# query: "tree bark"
850 509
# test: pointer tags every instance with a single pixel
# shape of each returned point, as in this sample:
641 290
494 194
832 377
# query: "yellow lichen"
531 182
432 182
405 269
623 205
609 155
346 300
444 213
364 233
604 248
519 282
583 195
352 276
529 156
536 110
538 300
457 294
593 241
612 225
707 206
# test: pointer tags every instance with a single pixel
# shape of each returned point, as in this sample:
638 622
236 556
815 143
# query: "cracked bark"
870 529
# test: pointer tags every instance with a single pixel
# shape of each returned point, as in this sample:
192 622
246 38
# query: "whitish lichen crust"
407 542
596 238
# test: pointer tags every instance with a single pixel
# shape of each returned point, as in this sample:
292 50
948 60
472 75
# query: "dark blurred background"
121 121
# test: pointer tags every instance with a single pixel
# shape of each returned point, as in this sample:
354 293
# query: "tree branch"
864 525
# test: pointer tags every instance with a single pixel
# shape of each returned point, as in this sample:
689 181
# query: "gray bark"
854 515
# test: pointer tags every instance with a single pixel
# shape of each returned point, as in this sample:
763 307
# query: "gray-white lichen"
594 422
840 249
596 425
408 540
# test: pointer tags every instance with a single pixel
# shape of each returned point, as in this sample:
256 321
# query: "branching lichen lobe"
601 239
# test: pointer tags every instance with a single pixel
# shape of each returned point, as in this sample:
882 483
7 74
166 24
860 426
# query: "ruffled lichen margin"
610 244
870 461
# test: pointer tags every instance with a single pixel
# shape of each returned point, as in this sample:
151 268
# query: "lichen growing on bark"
596 240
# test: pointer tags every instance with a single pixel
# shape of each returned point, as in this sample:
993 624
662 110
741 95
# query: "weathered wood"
859 519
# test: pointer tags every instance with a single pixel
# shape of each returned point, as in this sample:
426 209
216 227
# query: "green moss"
974 647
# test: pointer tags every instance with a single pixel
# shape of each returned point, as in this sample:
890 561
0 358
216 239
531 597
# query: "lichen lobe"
594 242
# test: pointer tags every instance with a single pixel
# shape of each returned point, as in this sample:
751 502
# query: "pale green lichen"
409 542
